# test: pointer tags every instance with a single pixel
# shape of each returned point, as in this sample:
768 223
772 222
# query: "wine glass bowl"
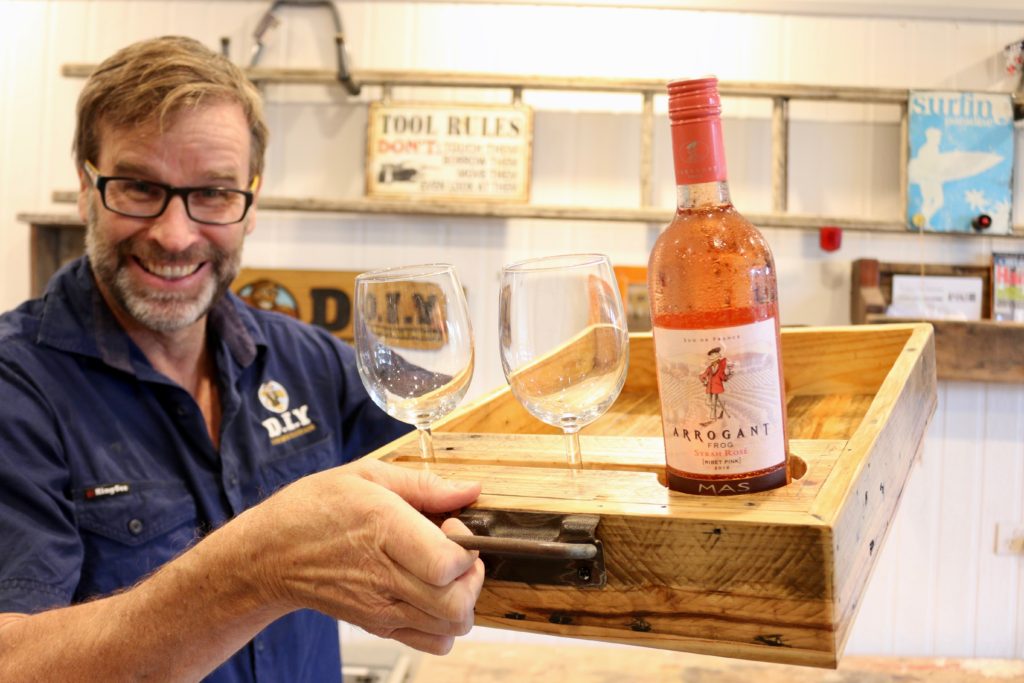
414 343
563 340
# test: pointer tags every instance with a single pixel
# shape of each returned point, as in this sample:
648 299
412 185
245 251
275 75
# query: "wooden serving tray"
775 576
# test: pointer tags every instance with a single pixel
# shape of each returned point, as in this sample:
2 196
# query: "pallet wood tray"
775 576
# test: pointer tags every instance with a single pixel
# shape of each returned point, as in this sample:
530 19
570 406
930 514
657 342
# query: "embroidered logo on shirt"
287 424
106 491
273 397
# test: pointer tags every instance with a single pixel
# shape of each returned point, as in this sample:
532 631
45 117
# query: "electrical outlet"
1010 538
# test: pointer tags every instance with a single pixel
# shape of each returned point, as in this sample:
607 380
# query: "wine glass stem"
572 450
426 444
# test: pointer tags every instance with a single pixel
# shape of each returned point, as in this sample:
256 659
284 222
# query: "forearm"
179 624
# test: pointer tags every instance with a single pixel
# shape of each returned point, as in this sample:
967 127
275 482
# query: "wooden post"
646 151
780 154
904 158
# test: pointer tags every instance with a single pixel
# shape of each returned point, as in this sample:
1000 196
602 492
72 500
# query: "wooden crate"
775 576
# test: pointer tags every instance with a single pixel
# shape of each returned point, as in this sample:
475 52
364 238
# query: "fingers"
423 490
446 612
411 540
449 608
436 636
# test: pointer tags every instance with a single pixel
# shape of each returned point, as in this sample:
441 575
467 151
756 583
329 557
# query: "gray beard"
157 311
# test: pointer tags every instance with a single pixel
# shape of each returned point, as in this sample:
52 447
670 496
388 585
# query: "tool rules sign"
449 152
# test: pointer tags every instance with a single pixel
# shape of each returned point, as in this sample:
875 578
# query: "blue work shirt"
107 469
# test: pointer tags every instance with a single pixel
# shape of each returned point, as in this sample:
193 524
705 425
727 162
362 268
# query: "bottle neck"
698 154
694 195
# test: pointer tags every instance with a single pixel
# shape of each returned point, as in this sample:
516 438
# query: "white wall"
939 589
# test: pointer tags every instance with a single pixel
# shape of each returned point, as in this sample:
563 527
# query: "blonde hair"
152 80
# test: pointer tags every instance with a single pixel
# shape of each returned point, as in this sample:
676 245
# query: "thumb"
422 489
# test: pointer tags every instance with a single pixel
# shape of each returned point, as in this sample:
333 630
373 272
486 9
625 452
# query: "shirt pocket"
293 460
130 534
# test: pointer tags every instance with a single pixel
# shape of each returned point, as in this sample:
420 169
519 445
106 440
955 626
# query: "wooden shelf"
974 351
540 211
54 239
966 350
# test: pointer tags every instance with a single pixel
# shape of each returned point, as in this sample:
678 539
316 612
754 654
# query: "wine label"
721 402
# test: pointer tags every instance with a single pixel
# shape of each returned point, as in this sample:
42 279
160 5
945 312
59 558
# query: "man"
152 523
714 377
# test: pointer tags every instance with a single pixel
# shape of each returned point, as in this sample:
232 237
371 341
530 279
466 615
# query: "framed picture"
960 162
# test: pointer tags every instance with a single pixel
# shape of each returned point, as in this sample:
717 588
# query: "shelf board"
657 216
974 350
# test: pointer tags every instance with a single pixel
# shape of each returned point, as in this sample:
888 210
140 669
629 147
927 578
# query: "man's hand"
352 542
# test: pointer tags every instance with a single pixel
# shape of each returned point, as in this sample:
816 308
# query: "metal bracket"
269 20
537 548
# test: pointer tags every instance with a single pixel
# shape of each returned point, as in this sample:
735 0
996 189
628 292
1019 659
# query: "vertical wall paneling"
914 605
1002 492
1019 611
961 453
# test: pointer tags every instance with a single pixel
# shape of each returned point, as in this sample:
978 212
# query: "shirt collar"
77 319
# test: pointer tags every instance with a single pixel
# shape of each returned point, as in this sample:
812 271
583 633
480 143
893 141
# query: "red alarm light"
830 237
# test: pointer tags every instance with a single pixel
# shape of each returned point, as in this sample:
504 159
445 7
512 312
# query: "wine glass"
414 343
564 342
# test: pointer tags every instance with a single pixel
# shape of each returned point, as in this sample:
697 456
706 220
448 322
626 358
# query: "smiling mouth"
169 272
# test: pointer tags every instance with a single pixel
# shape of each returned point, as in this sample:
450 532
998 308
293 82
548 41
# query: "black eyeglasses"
147 199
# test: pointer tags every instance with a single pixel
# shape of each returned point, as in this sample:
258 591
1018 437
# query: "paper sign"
449 152
936 297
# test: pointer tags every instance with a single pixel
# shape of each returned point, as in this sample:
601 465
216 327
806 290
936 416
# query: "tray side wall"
890 438
736 589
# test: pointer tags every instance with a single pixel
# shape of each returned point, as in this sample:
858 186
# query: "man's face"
165 273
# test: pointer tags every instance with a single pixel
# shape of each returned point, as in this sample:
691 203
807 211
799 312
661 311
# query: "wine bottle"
714 310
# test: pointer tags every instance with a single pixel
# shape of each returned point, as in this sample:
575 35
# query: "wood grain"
773 576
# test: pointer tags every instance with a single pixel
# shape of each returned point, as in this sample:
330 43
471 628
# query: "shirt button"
182 410
234 480
135 527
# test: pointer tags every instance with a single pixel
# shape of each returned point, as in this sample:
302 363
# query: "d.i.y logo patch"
287 423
